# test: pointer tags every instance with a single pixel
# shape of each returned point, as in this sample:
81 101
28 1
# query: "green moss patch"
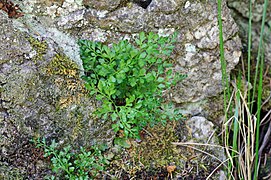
154 153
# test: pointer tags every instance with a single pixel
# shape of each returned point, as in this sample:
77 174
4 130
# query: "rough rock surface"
41 93
240 11
201 135
197 51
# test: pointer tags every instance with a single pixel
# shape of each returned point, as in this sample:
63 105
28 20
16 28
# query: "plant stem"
260 48
259 103
249 50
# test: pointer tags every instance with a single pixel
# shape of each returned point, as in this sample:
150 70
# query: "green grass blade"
222 57
259 103
225 83
249 49
260 47
236 127
260 61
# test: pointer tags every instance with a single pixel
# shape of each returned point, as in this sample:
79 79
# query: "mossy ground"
154 154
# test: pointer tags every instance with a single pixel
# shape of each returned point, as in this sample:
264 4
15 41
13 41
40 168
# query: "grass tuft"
242 129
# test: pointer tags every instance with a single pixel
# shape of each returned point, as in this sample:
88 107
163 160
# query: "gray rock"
202 144
41 93
197 50
240 12
242 7
103 4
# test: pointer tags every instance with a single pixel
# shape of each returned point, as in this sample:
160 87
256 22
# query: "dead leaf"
13 11
170 169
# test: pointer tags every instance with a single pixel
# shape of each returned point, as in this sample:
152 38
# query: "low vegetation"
67 164
130 82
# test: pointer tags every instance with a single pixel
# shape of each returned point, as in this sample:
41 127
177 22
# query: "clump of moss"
156 149
62 65
40 47
7 172
214 109
266 90
153 153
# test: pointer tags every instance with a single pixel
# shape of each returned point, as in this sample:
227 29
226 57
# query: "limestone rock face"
240 11
103 4
197 50
257 9
201 136
41 93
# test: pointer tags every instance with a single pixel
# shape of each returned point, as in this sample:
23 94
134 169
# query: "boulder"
41 92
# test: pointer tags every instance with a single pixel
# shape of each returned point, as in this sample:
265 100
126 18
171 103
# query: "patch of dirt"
25 158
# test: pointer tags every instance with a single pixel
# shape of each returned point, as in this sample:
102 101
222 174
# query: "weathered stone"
200 34
102 4
197 50
240 12
200 142
242 6
13 45
41 93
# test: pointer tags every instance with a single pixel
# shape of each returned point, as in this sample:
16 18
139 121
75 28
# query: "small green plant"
130 80
70 165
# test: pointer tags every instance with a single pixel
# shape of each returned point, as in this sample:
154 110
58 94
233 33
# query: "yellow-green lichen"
2 61
40 47
78 126
64 73
66 76
62 65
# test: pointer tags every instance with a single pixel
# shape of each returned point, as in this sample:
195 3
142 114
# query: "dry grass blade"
245 135
222 163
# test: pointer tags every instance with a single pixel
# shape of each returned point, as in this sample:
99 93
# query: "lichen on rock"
240 13
39 47
42 94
